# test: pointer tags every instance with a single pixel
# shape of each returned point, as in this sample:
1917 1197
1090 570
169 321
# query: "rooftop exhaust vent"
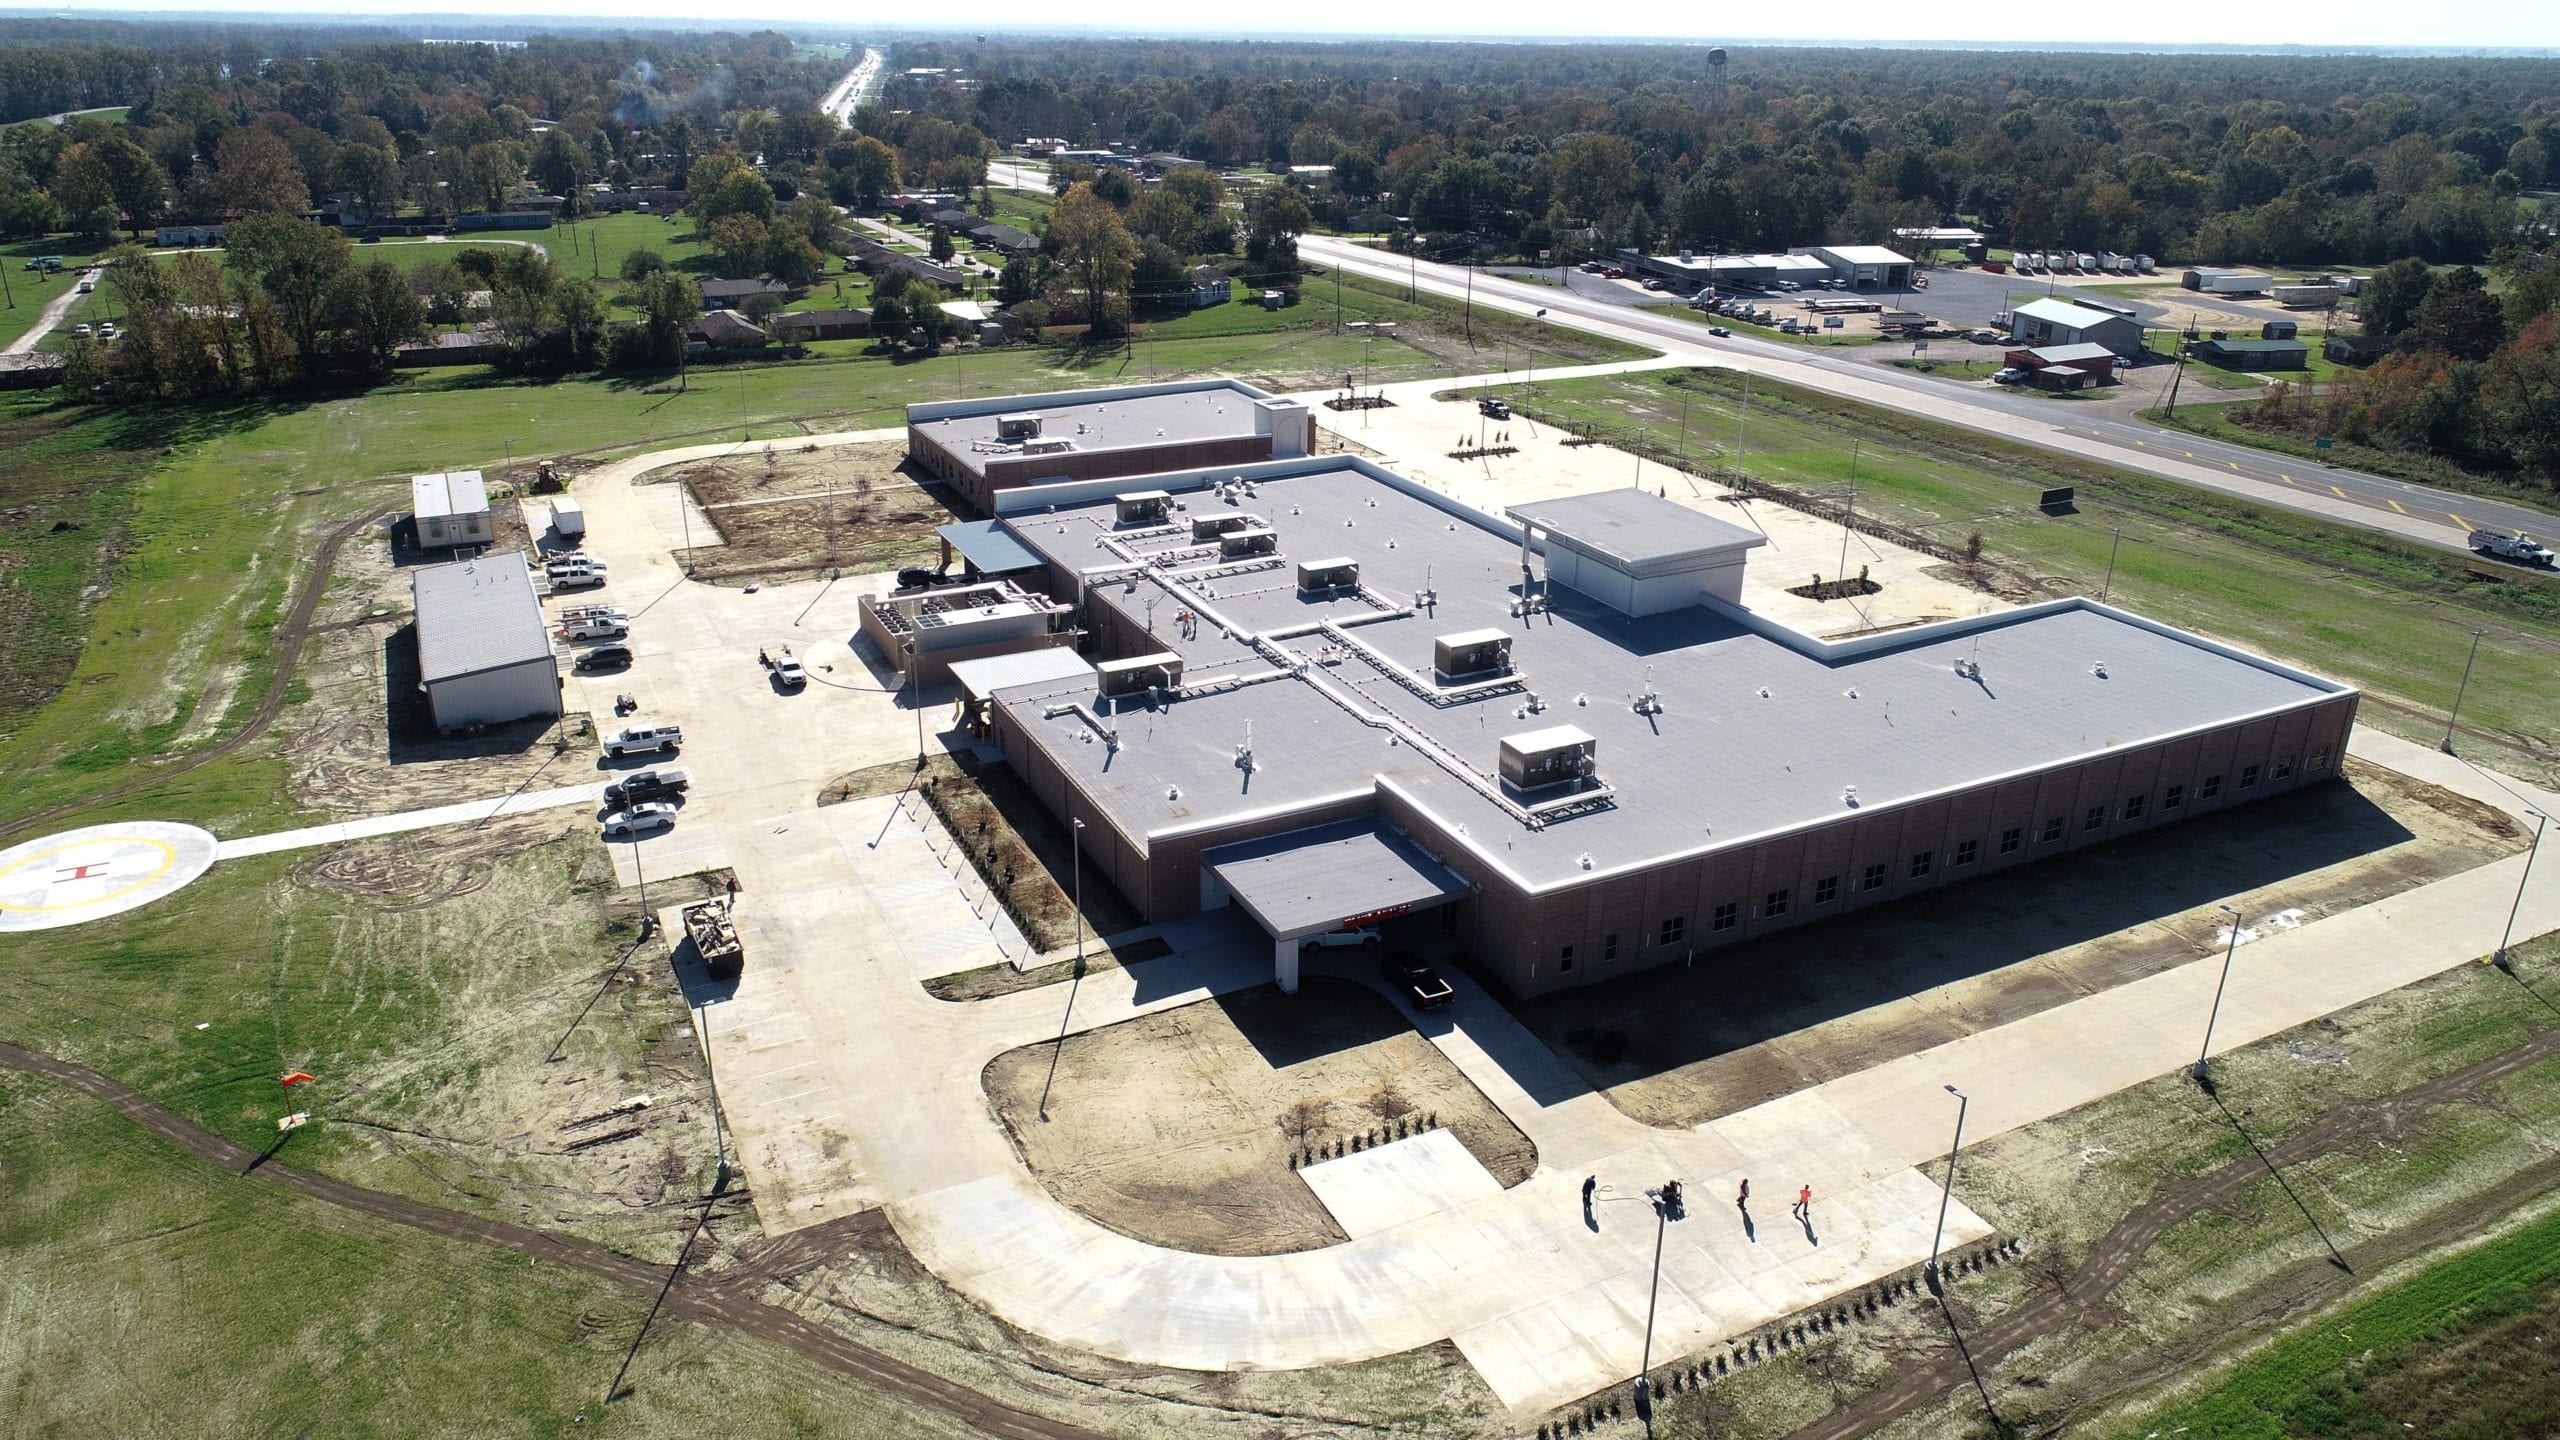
1472 655
1142 507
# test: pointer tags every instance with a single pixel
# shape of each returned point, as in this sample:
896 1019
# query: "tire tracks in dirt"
2114 1256
289 635
729 1299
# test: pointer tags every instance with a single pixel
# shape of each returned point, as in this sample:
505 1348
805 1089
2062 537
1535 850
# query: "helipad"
97 871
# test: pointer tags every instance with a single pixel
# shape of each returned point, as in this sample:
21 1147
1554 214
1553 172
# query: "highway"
2373 502
861 80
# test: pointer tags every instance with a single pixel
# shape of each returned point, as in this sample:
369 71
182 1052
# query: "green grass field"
150 1293
2316 1380
2386 615
1358 298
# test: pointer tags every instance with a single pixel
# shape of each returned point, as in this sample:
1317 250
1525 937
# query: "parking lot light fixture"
1947 1195
2199 1070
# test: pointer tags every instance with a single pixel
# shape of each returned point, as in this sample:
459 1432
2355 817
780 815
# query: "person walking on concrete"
1742 1200
1804 1203
1590 1185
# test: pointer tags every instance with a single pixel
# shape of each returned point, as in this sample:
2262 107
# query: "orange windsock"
298 1077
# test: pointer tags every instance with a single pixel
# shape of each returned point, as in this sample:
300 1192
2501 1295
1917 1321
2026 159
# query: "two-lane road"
2398 507
861 81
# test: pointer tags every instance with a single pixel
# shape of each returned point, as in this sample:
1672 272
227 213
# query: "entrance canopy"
1331 877
988 547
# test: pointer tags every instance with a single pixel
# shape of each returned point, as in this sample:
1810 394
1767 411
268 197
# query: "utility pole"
1742 422
1848 524
2500 958
2108 586
2171 408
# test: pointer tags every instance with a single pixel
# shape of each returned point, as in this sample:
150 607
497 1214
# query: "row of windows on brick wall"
1827 889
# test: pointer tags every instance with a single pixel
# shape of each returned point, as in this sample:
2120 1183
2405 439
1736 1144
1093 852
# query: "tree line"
2208 158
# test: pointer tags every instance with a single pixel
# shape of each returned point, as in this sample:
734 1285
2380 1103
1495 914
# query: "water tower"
1715 78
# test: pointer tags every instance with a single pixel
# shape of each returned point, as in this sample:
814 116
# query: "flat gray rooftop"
1224 412
477 615
1635 527
1307 880
1759 732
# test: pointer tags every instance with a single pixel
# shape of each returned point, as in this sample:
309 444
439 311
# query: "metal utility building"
1583 756
2066 367
2043 323
484 652
983 447
1692 271
450 509
1863 266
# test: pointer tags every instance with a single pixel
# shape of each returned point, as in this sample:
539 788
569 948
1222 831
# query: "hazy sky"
2473 23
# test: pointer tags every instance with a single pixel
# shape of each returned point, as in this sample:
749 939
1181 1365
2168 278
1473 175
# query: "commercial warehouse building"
2045 323
1553 738
484 652
983 447
1856 266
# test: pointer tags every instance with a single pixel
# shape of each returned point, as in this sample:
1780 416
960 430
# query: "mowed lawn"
2392 617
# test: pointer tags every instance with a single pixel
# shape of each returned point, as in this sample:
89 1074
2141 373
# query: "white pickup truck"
642 739
595 627
2512 545
785 666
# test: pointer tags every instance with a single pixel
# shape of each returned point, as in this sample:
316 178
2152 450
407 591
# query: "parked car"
2010 375
1719 331
603 657
644 739
1613 273
1655 285
1332 939
106 329
80 331
1986 337
574 564
1493 407
916 577
640 819
642 785
599 628
1420 983
783 666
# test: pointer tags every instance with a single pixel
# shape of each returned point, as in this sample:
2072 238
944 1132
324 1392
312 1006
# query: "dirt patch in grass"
1025 856
361 740
1177 1128
786 512
1675 1047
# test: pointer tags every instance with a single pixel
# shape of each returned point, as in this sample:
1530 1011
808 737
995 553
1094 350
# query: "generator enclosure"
1142 507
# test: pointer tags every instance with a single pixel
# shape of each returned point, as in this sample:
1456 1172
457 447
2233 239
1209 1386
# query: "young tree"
1094 255
939 245
580 313
640 264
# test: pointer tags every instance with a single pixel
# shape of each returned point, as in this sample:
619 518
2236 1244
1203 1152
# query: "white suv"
644 739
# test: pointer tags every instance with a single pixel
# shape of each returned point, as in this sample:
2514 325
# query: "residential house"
725 294
728 331
807 325
1210 286
2355 349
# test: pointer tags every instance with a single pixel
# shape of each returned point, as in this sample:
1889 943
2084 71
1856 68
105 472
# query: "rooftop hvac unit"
1472 655
1143 507
1557 758
1339 573
1251 540
1210 527
1139 673
1017 427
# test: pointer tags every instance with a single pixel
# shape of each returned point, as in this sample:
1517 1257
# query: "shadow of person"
1750 1232
1809 1237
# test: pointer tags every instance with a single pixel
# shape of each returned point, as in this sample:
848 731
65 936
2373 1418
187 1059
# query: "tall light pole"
1075 864
2198 1071
2500 958
2446 745
648 922
2107 587
1948 1195
1644 1368
915 698
719 1132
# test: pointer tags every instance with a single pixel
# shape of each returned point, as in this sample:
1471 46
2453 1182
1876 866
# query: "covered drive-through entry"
1309 883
